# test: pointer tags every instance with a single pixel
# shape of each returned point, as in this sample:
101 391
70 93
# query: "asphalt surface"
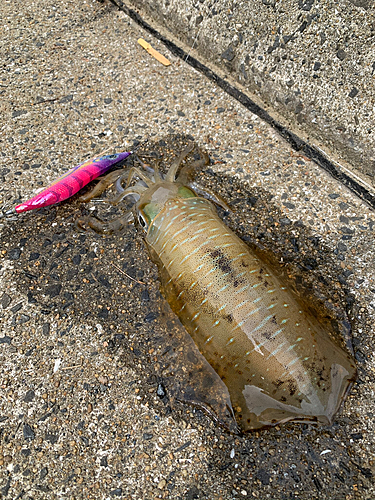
93 362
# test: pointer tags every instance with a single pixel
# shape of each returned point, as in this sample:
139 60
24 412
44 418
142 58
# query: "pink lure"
72 181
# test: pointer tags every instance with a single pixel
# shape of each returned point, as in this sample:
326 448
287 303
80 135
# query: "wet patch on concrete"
109 286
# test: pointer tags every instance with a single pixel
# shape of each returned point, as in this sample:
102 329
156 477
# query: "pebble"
30 395
43 473
28 432
16 308
14 254
353 92
5 300
162 484
116 493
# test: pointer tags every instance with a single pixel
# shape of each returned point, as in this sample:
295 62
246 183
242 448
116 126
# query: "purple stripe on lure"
72 181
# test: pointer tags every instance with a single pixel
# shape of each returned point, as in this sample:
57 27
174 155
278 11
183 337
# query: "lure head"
114 156
153 200
111 159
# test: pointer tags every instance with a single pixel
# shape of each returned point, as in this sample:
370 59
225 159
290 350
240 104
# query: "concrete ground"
91 358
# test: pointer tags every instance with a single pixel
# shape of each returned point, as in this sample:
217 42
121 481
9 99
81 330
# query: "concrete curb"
319 90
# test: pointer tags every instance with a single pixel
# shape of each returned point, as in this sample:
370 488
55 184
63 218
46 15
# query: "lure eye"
112 157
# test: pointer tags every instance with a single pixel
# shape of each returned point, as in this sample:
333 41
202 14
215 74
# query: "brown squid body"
278 362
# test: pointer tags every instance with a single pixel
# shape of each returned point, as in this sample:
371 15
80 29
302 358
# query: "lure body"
71 182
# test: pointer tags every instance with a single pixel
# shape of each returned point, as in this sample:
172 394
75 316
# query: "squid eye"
142 221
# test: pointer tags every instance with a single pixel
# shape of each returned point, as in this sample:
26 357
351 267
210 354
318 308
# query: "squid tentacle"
104 183
170 177
104 227
130 191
